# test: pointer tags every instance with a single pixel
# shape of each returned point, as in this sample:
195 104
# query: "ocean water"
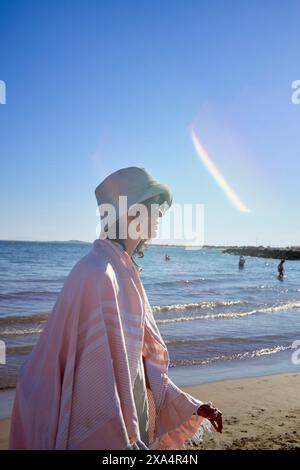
210 313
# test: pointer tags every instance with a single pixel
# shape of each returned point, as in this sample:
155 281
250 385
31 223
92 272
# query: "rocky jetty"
289 253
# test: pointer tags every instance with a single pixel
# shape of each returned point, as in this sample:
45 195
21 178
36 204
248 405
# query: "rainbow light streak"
230 193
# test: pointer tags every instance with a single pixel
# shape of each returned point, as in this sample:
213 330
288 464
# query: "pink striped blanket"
75 390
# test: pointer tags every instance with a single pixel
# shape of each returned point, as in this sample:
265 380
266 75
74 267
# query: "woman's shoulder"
95 267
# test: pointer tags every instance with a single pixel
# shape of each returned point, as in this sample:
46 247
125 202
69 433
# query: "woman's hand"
210 412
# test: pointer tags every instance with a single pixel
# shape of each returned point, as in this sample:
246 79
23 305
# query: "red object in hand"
210 412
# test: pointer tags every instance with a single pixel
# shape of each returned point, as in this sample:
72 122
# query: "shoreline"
196 374
259 412
273 364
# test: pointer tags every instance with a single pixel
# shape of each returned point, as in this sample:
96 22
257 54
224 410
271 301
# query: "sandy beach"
259 413
4 433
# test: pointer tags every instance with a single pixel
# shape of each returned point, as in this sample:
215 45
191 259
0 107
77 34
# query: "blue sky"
93 86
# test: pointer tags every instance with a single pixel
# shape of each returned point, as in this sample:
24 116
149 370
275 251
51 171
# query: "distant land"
74 242
288 252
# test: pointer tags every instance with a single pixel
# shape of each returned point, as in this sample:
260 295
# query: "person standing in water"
241 262
98 375
280 269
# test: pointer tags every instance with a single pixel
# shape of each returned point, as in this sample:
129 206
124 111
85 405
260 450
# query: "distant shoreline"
231 249
74 242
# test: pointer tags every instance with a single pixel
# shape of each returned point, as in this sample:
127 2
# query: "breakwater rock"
289 253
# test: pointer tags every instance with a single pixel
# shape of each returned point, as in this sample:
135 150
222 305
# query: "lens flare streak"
215 172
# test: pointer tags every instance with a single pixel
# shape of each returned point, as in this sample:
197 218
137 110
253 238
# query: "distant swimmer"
167 258
241 262
280 269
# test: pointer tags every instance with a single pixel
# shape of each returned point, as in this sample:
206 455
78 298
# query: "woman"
98 376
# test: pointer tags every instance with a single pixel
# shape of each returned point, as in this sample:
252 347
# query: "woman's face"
149 219
155 214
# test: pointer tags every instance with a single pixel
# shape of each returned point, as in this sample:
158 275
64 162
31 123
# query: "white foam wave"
230 315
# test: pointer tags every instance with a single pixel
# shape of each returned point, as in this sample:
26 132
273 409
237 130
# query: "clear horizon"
154 244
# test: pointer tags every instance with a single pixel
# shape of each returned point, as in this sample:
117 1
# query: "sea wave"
197 305
28 295
16 319
230 357
40 317
231 315
179 282
24 349
35 330
32 280
223 339
33 324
